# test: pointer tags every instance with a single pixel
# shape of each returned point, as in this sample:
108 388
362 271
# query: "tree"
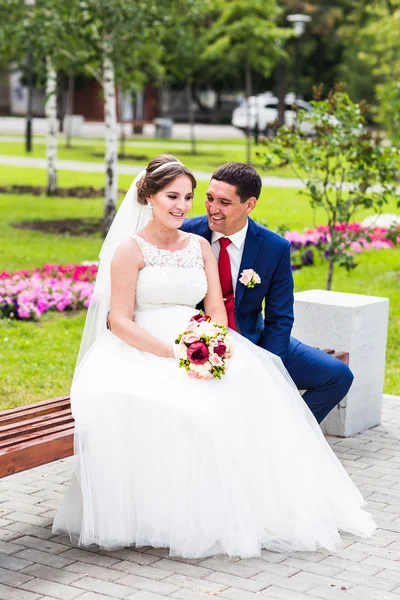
184 45
241 41
120 45
41 27
344 167
379 49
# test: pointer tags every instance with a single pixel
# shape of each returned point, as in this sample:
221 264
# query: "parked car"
263 111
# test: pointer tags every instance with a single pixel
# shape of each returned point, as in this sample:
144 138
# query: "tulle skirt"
200 466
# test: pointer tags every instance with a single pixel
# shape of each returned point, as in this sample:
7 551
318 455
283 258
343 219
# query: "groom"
239 243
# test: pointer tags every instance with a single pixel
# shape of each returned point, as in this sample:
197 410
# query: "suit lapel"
252 246
204 230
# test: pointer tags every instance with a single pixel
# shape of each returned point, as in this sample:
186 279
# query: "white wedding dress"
201 467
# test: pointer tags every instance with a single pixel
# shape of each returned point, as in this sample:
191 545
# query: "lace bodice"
170 278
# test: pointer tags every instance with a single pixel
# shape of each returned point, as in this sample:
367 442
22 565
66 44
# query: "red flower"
197 353
220 349
200 318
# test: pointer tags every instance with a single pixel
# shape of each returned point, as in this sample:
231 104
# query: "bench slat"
26 436
21 413
37 452
40 424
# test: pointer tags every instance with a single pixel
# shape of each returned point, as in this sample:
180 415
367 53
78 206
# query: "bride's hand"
169 352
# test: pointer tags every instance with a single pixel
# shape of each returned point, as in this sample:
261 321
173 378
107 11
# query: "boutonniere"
249 278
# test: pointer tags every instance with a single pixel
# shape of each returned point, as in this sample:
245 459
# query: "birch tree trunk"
110 121
51 114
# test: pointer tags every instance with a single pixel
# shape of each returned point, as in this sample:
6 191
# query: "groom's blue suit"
325 378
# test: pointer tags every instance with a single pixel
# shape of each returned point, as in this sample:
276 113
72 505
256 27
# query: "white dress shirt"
235 250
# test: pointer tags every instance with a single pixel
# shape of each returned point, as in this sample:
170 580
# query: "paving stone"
57 590
134 556
92 558
13 506
374 594
185 594
317 568
44 558
38 544
56 575
238 594
81 569
345 565
32 530
9 547
142 583
11 593
384 563
194 584
131 568
94 596
182 568
234 581
14 578
377 582
142 595
279 593
29 518
229 566
92 584
14 563
317 580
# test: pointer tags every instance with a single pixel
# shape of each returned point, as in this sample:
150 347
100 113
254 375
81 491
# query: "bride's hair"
153 182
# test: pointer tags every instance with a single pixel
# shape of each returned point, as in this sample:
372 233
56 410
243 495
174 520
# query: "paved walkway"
16 125
35 565
98 167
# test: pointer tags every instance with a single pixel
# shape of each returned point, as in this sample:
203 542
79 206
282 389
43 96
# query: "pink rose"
215 360
220 349
197 353
245 278
189 338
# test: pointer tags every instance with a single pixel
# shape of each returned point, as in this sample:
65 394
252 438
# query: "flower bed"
305 245
28 294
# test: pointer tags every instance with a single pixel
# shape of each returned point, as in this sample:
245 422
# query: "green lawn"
37 359
209 155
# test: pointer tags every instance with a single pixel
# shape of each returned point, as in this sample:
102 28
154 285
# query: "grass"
37 359
208 157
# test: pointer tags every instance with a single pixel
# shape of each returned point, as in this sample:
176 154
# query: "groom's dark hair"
245 179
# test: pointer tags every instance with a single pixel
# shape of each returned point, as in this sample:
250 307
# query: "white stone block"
356 324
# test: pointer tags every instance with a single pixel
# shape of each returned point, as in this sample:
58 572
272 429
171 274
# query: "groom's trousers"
326 379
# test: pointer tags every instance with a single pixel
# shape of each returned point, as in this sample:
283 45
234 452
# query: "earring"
150 210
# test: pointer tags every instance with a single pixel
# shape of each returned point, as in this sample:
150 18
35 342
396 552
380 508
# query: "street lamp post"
299 25
29 117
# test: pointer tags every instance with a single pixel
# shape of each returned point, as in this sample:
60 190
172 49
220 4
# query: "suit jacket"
263 314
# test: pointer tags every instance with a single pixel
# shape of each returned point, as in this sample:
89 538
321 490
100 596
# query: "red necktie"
225 276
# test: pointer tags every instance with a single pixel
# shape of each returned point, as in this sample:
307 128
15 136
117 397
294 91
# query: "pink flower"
249 278
189 338
215 360
200 318
220 349
246 277
198 353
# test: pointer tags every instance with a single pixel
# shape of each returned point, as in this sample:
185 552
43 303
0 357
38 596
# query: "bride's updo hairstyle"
158 176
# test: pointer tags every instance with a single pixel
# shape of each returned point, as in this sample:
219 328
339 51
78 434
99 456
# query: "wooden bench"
39 433
35 434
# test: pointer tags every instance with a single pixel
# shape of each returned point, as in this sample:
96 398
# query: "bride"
199 466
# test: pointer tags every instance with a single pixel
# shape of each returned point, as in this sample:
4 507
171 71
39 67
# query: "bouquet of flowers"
204 349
